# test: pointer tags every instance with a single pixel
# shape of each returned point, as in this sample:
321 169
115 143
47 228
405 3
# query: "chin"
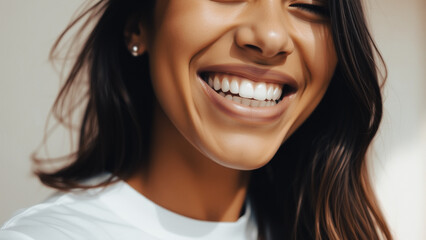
244 162
248 153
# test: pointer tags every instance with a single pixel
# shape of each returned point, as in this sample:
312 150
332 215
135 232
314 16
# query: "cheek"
321 61
317 52
172 46
185 28
318 62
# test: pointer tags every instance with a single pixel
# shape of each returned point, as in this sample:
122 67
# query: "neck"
183 180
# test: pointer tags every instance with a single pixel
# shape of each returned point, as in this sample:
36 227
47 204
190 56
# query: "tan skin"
204 190
204 144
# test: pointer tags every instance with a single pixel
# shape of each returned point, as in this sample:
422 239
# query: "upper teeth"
245 88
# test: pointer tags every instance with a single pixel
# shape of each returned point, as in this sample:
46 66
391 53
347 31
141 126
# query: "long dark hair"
315 187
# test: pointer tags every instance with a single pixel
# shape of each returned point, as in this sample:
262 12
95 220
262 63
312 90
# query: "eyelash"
315 9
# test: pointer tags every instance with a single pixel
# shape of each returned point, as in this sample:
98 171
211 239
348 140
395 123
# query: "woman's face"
237 77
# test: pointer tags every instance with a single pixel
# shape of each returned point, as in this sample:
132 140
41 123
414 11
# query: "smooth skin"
201 155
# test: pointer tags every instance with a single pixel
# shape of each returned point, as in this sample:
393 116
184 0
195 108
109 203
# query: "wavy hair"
315 187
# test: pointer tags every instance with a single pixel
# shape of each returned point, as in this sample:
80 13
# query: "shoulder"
64 216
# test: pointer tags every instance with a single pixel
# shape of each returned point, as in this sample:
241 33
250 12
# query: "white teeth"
280 91
249 102
246 89
270 92
254 103
236 99
216 83
260 92
246 101
276 94
235 87
255 94
225 84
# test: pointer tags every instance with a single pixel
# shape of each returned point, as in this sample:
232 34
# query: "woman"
218 119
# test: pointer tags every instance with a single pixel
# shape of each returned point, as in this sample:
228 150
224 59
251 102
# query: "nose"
263 33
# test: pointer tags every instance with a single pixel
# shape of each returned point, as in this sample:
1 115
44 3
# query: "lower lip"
243 112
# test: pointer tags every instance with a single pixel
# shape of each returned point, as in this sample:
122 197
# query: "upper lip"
252 73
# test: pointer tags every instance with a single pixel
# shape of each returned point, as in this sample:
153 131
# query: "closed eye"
312 8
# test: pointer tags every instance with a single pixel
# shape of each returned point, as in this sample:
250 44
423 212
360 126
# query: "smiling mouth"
245 91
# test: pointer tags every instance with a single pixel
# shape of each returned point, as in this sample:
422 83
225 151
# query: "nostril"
253 47
265 53
282 53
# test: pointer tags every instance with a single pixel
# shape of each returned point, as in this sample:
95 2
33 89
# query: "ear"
135 37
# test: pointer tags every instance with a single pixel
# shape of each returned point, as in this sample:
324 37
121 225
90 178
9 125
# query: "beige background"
28 85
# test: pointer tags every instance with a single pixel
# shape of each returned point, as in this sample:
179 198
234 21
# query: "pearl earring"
135 50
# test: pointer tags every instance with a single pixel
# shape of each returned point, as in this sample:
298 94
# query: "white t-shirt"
117 212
